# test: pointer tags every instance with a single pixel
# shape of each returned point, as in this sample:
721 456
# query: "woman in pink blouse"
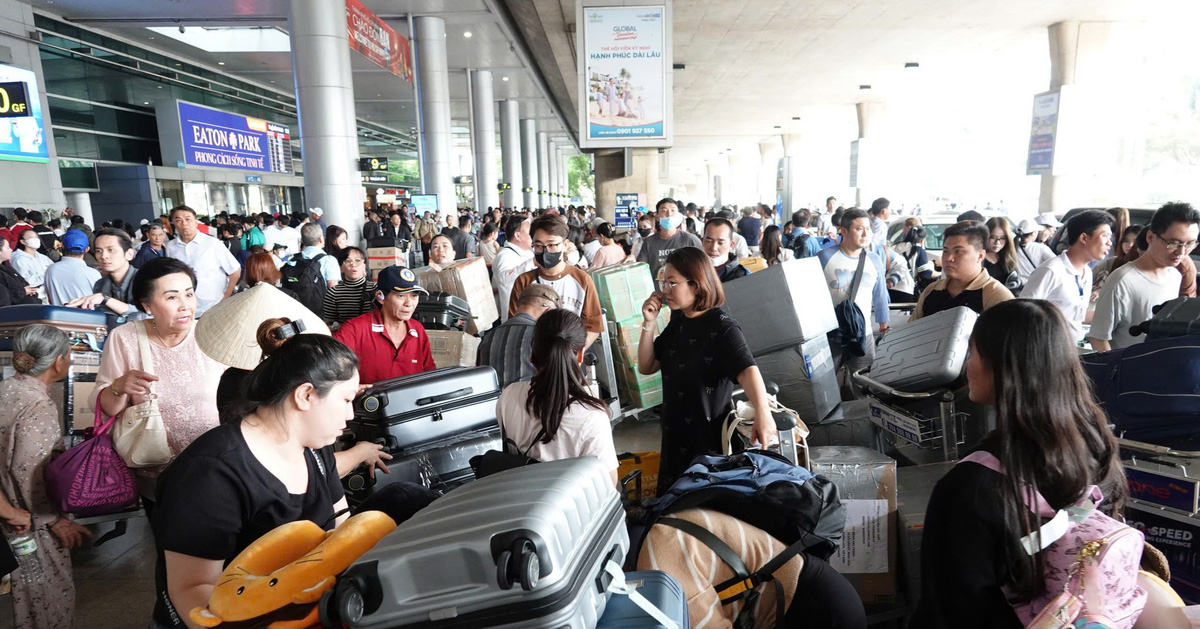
609 252
184 379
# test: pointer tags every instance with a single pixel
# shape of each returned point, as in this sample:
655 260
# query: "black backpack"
304 278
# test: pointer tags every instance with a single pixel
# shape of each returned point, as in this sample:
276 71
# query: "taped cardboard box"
866 482
452 348
626 337
467 279
637 390
383 257
623 288
781 306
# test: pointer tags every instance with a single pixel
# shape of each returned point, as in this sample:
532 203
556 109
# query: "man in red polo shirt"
389 343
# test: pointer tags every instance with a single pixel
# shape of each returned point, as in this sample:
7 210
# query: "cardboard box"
623 288
806 378
866 482
914 486
627 337
781 306
469 280
848 425
452 348
637 390
383 257
754 264
648 463
1178 537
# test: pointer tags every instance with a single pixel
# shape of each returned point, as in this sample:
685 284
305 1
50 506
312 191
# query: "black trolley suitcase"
432 423
442 311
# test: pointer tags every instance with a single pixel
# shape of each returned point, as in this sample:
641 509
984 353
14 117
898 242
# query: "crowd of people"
234 477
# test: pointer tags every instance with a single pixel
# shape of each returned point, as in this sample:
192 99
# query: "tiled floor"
115 582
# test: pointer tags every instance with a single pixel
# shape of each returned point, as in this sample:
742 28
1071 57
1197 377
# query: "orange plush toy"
277 581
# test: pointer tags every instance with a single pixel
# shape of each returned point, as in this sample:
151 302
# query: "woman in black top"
1053 438
1001 257
239 481
701 354
13 288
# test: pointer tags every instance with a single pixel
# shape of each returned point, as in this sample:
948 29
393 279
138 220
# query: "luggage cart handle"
869 383
434 399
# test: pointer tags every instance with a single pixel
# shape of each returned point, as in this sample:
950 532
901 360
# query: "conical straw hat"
227 331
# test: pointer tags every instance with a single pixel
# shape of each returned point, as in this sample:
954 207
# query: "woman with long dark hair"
336 239
702 354
553 415
772 247
1122 252
273 466
1052 437
1000 258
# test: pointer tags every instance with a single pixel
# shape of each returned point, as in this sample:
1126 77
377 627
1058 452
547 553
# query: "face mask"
670 222
548 260
33 244
719 260
644 231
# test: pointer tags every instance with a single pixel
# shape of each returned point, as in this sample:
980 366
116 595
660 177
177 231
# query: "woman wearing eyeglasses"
1131 291
1000 258
701 354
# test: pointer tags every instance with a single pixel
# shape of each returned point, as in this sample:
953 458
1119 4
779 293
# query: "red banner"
377 41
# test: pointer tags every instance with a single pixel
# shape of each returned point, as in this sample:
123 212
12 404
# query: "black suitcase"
412 413
441 468
1177 317
442 311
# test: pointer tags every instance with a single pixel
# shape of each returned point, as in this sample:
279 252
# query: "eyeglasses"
667 287
995 239
354 261
553 247
1175 245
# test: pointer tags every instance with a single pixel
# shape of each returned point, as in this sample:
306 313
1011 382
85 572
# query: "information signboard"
22 135
211 137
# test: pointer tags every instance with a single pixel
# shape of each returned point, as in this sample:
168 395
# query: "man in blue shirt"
750 227
312 241
70 278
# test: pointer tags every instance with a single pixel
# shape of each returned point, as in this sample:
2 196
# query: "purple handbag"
91 478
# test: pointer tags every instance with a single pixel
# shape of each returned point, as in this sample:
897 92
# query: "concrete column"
870 152
81 204
770 151
552 168
529 165
483 142
543 159
510 151
611 179
563 187
325 101
434 90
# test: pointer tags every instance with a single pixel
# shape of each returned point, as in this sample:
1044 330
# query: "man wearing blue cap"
70 278
388 341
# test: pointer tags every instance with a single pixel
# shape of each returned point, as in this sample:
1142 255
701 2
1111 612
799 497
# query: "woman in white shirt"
553 415
28 262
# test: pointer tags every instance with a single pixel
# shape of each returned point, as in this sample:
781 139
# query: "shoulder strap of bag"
1027 256
862 263
540 435
144 346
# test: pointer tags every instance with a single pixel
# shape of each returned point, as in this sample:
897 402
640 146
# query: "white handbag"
139 435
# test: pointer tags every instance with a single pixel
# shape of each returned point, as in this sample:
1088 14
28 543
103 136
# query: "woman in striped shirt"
355 294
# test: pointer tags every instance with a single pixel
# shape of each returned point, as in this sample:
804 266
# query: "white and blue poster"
625 210
212 137
22 134
1042 134
625 74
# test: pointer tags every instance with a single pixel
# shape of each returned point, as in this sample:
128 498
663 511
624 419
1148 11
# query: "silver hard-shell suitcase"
523 548
929 352
411 413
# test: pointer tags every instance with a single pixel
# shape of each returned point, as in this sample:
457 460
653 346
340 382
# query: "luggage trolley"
945 431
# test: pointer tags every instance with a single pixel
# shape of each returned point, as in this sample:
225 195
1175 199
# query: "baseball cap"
543 291
596 222
398 279
277 246
75 241
1048 220
1028 226
316 211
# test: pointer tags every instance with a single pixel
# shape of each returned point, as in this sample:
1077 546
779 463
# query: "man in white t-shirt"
1131 292
593 244
513 259
1030 253
841 264
281 233
217 271
1066 281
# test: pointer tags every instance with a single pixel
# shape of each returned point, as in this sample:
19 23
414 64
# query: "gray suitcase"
781 306
806 378
413 413
927 353
554 525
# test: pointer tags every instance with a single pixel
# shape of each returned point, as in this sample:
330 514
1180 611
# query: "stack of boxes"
622 290
785 313
467 279
380 258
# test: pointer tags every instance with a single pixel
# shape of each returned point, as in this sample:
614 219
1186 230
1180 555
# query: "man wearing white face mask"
656 247
718 238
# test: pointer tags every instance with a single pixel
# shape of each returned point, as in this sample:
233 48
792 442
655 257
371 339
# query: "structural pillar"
325 103
563 188
770 151
543 159
483 143
81 205
433 81
611 180
867 154
552 173
529 165
510 151
791 168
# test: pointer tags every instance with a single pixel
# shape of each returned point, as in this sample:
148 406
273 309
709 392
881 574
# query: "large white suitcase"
781 306
929 352
523 548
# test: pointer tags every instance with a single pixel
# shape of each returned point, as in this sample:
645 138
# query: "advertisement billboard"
22 134
211 137
422 203
1042 134
377 41
625 82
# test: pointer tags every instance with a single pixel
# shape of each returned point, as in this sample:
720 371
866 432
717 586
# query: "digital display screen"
217 138
424 203
22 134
